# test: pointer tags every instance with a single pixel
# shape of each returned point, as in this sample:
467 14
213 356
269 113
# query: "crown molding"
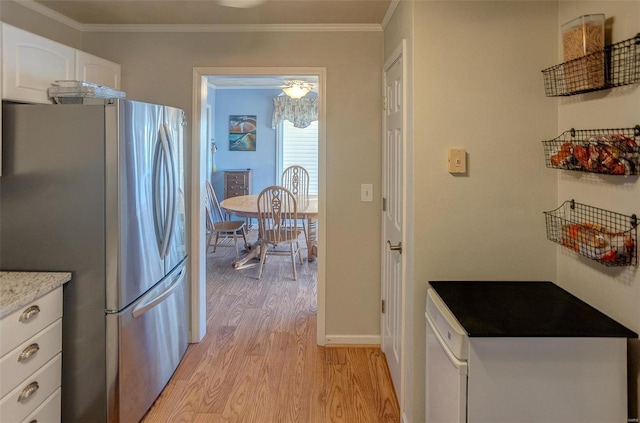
233 28
390 11
43 10
50 13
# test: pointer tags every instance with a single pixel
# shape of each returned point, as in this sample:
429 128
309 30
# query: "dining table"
246 206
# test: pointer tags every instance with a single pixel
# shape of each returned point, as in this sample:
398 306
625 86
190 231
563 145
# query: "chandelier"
297 88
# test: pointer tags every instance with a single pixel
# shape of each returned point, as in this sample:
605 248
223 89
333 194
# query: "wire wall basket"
601 235
605 151
617 65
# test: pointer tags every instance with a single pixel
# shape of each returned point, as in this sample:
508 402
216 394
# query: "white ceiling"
305 13
203 12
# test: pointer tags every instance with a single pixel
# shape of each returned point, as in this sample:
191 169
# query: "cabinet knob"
29 390
28 352
29 313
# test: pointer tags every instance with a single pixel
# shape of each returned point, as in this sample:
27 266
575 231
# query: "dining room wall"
257 102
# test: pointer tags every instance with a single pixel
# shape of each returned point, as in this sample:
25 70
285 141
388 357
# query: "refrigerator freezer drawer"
152 338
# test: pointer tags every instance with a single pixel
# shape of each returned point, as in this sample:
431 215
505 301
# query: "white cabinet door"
31 64
90 68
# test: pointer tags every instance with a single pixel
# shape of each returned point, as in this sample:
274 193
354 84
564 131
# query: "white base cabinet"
31 361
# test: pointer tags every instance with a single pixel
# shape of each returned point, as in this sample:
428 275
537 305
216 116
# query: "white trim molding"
52 14
233 28
353 340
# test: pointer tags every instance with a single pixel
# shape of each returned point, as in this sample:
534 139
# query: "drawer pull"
29 313
28 352
29 390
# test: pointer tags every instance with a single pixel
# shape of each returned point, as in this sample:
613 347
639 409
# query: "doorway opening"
203 163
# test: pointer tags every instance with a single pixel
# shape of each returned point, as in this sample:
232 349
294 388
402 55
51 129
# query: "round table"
247 206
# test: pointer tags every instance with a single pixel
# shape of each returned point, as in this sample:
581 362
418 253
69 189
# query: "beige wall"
615 291
477 85
158 67
26 19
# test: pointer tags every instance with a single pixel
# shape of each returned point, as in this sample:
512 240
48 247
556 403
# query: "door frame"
198 170
407 291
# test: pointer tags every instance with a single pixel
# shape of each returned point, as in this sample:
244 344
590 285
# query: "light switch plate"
366 192
457 160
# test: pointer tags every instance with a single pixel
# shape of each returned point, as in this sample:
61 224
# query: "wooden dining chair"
218 226
296 179
278 224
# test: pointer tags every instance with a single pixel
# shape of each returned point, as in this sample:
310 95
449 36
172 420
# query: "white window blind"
299 146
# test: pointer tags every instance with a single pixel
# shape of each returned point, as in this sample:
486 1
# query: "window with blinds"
299 146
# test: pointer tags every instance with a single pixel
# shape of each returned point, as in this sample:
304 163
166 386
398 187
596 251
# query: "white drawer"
19 364
48 412
25 322
47 380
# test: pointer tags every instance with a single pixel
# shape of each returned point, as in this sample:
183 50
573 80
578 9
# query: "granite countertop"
18 289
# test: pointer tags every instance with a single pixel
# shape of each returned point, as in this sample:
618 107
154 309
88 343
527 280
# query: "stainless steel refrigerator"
98 190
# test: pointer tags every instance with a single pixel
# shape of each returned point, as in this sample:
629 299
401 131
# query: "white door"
392 260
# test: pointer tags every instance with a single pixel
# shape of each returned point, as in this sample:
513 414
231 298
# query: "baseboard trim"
352 340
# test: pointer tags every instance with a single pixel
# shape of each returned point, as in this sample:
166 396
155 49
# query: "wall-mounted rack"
601 235
605 151
617 65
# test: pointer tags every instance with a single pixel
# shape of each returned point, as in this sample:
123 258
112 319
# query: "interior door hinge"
384 204
383 307
384 103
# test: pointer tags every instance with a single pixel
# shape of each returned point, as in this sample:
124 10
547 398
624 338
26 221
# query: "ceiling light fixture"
244 4
297 88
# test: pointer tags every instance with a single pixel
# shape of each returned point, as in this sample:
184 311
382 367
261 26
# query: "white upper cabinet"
30 64
90 68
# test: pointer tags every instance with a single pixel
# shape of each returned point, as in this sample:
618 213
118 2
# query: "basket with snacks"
607 237
605 151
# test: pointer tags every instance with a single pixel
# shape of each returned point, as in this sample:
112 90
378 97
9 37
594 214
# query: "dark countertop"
524 309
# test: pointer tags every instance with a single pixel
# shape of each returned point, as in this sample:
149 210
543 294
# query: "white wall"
477 85
615 291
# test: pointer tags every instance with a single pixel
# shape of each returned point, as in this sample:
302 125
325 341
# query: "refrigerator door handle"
157 203
154 299
172 190
163 206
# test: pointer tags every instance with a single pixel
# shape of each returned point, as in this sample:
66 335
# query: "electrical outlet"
457 160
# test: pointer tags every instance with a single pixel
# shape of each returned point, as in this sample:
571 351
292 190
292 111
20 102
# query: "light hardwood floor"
259 361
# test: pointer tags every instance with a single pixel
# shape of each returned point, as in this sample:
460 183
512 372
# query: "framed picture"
242 133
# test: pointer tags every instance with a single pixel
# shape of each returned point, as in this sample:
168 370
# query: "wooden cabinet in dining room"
237 182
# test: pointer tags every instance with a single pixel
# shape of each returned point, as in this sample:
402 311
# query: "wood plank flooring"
259 361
